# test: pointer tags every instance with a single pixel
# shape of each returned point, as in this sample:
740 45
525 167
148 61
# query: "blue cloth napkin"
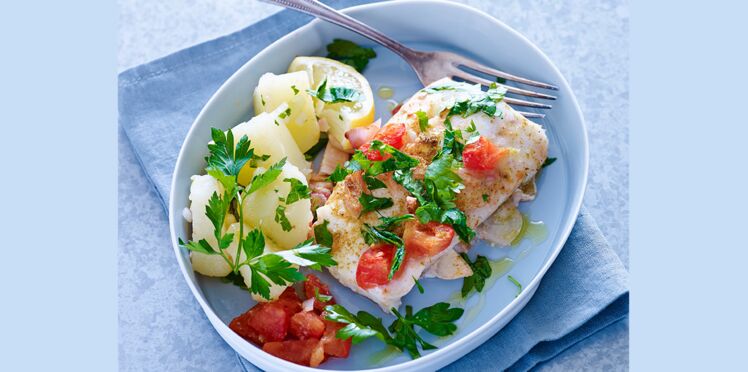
584 291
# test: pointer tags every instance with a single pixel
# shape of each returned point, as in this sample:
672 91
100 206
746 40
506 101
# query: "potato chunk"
291 88
268 136
201 189
261 209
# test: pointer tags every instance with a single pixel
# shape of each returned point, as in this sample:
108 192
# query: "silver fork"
429 66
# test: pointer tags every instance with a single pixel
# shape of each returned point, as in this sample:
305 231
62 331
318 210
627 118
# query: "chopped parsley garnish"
547 162
295 90
373 183
500 80
387 223
280 217
515 282
481 271
437 319
338 174
335 94
298 191
286 113
372 203
322 234
423 120
350 53
314 150
485 197
418 285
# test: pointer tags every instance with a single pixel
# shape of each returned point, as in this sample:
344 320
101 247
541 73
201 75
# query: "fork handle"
322 11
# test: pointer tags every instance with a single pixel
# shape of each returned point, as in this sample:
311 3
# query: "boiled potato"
291 88
201 189
503 226
260 209
268 138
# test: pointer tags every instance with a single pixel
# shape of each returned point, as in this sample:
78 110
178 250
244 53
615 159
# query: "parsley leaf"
350 53
388 223
436 319
372 203
295 90
308 254
224 156
373 183
481 271
235 279
265 178
286 113
547 162
298 191
310 154
201 246
338 174
418 285
322 234
397 160
485 197
515 282
280 217
359 327
335 94
423 120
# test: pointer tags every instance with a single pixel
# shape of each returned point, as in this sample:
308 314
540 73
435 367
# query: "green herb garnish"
485 197
310 154
423 120
280 217
437 319
418 285
295 90
286 113
298 191
335 94
350 53
322 234
516 283
481 271
547 162
372 203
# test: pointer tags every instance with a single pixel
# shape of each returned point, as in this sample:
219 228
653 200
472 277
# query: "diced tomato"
390 134
306 324
374 266
482 155
304 352
333 345
426 240
311 283
289 301
266 321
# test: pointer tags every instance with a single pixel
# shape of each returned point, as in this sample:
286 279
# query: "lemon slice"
343 116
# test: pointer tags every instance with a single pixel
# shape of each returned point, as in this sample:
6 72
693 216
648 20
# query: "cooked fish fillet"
528 149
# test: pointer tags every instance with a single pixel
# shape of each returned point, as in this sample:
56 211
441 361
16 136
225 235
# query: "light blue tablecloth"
158 102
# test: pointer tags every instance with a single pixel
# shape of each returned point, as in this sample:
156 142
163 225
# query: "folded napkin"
583 292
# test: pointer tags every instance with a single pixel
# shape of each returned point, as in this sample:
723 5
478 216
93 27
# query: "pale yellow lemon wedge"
340 117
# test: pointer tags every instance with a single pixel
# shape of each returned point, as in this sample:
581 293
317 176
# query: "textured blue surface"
587 40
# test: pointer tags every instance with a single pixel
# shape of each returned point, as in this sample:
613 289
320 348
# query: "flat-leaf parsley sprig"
224 164
437 319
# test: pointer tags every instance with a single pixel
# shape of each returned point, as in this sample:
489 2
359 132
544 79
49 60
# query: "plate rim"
454 350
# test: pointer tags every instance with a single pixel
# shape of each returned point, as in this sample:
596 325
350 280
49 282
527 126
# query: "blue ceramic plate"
438 26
